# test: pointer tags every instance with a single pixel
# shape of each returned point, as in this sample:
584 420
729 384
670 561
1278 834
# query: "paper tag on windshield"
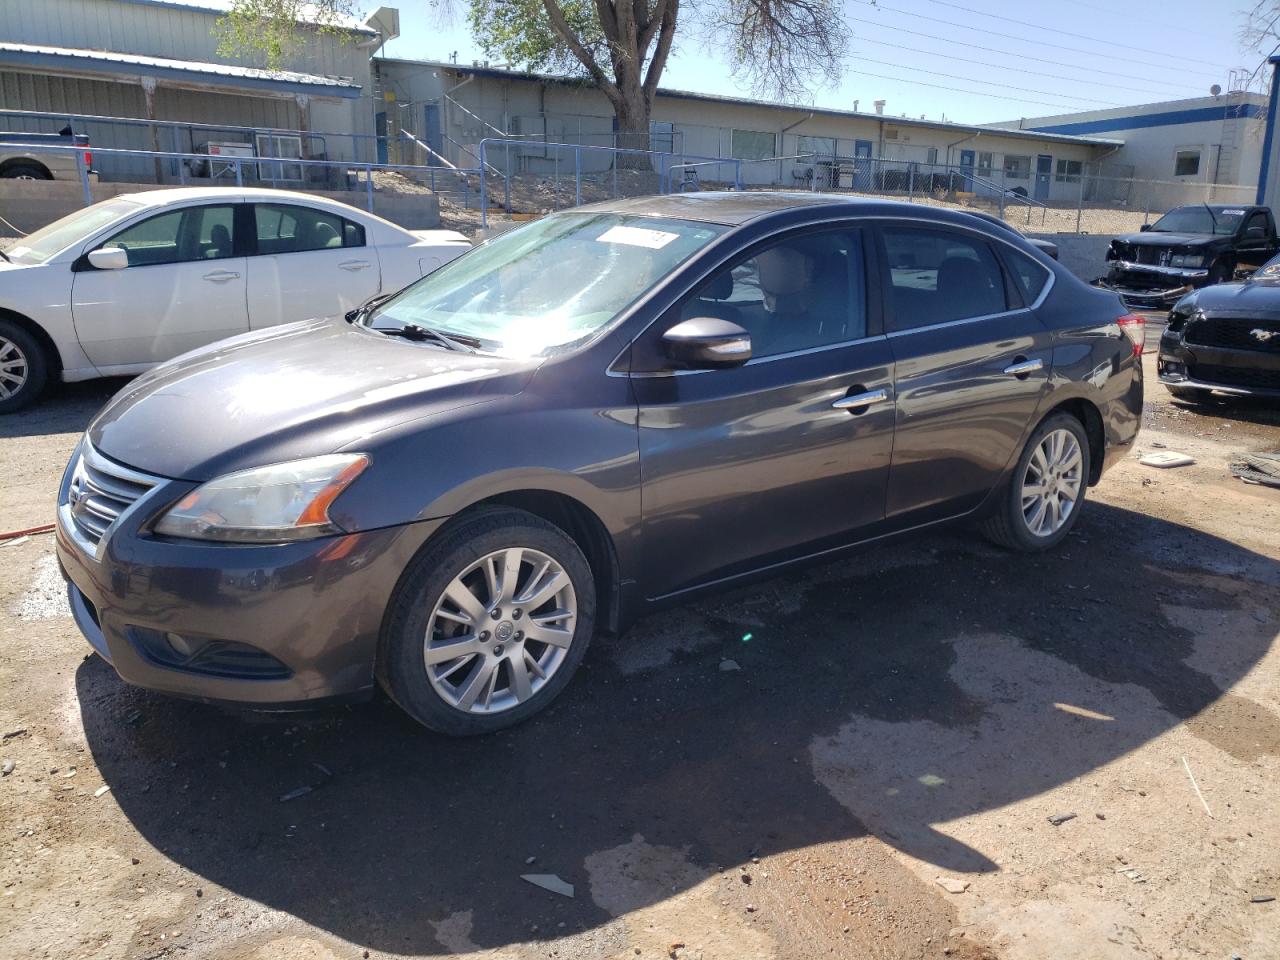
637 237
1234 213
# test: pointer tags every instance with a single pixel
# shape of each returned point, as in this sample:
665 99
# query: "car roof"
736 207
158 198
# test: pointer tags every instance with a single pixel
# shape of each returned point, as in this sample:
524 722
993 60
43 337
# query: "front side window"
1257 222
802 293
752 144
545 287
1017 168
289 228
1186 163
179 236
937 276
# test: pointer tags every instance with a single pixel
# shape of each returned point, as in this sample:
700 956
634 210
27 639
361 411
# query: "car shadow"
64 408
1254 410
904 688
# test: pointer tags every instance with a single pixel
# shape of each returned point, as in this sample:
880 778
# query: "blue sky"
967 59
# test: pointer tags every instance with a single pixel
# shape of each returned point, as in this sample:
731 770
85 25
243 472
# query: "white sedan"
120 286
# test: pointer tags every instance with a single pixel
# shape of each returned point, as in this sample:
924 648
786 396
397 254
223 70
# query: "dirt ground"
916 714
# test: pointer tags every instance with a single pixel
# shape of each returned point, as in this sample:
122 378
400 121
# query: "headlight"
285 501
1188 260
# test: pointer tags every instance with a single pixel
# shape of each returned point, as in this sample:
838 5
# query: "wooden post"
149 96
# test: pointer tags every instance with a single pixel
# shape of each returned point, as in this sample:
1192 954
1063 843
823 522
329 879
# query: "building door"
1044 168
380 131
862 165
966 168
433 135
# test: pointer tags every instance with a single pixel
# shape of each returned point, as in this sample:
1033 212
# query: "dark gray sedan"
603 412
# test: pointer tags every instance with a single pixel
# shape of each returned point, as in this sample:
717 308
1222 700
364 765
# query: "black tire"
401 669
25 171
1007 527
1191 394
15 339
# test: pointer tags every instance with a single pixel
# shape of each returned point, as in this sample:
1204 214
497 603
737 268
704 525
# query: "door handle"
354 265
1022 368
221 276
860 401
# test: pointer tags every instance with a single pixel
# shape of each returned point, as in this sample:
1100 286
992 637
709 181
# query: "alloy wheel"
14 368
1052 483
500 631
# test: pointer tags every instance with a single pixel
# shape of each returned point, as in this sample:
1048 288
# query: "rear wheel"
1047 489
23 367
25 171
488 624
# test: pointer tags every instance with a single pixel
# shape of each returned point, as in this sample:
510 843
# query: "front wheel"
23 367
488 624
1047 489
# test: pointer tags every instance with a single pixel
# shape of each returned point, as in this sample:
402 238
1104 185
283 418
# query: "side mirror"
707 343
1145 227
109 258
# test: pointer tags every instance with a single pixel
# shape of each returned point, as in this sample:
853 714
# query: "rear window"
938 276
1030 276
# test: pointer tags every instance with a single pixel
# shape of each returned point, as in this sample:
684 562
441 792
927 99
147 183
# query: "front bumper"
272 625
1150 287
1245 373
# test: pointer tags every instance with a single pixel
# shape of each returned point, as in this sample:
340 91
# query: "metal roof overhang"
118 67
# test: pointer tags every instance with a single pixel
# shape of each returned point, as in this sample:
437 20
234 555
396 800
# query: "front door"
744 467
1044 171
184 287
958 334
966 168
434 137
309 264
862 165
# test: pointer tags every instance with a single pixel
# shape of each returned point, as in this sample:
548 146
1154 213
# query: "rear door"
308 263
747 466
972 364
184 287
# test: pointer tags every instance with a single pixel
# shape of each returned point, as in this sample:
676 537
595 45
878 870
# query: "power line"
989 83
987 63
1043 43
978 46
1065 33
941 86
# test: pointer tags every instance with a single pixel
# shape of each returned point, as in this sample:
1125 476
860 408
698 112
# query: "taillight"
1134 327
88 159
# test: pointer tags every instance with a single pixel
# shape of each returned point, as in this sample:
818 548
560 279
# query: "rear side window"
1029 276
937 276
285 228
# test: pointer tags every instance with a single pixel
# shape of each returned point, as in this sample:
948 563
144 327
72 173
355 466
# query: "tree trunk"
632 111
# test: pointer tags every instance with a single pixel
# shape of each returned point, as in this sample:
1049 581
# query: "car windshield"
1199 219
547 286
1269 270
53 239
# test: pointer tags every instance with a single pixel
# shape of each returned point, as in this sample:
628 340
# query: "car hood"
1150 239
1254 298
298 390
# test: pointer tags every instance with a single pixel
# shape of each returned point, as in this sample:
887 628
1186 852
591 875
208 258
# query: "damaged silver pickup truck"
1189 247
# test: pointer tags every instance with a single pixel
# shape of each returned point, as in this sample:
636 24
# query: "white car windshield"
544 287
53 239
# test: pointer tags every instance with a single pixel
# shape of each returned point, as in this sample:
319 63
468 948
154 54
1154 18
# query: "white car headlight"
281 502
1188 260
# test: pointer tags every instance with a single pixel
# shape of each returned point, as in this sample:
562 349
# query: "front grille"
1235 333
1247 377
100 490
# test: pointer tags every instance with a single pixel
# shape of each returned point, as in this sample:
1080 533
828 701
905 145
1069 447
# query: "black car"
1225 339
1189 247
606 411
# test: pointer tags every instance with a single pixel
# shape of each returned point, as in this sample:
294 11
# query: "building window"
752 145
1186 163
821 148
1017 168
984 164
1069 171
932 156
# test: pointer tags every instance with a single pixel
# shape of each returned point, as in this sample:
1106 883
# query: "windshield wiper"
451 341
1212 218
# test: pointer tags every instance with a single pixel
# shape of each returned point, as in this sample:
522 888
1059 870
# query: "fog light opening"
185 647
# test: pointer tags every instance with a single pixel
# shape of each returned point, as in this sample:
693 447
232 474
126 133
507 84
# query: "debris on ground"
1261 898
7 768
1166 459
727 665
1058 819
549 881
1192 778
21 731
295 794
1132 874
101 790
14 542
674 948
951 885
1259 468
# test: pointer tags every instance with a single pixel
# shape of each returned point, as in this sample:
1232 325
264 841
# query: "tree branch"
561 26
665 36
